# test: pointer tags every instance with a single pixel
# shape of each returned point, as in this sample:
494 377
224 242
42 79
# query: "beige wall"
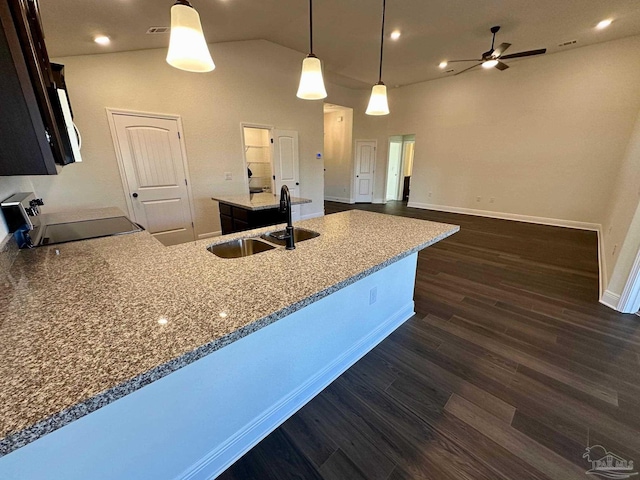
338 154
621 228
254 82
544 138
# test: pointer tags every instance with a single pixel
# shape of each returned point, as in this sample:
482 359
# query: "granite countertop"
85 323
257 201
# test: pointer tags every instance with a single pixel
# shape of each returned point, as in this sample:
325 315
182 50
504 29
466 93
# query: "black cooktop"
85 230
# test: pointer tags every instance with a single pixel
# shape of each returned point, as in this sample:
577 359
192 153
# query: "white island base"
194 423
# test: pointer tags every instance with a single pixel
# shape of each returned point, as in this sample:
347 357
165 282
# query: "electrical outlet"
492 199
478 199
610 228
430 193
228 176
373 295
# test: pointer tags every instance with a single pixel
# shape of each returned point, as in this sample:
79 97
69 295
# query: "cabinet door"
35 138
24 149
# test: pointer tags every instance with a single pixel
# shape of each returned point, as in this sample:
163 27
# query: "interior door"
364 169
156 176
286 165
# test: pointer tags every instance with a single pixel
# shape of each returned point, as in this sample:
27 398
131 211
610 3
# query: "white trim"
312 215
338 199
602 263
610 299
355 164
111 112
556 222
630 297
202 236
218 460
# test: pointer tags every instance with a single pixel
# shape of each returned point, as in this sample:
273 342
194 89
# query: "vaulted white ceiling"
347 32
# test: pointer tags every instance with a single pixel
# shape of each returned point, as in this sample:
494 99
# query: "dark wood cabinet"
33 137
235 219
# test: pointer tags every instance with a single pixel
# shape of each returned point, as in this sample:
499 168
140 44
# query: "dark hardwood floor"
509 370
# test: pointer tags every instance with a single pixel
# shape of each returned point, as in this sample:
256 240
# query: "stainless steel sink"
299 235
242 247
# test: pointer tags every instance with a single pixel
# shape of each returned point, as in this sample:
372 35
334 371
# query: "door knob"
357 176
135 195
297 183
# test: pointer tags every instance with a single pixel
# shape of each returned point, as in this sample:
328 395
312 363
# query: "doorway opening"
400 167
338 167
258 157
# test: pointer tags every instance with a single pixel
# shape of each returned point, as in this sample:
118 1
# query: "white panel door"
365 166
155 174
286 165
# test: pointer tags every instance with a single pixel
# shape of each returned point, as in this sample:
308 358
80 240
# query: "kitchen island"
252 210
121 358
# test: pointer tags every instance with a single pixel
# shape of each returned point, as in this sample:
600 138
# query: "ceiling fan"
494 57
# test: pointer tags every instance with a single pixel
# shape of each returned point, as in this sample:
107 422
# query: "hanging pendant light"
311 82
188 48
378 104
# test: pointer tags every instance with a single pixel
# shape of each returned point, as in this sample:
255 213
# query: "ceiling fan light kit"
494 56
188 49
378 103
311 85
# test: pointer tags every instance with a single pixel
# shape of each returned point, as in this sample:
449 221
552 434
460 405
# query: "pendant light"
188 48
378 104
311 82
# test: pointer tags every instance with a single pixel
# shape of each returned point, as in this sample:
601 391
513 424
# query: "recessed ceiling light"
102 40
604 24
395 35
443 64
163 321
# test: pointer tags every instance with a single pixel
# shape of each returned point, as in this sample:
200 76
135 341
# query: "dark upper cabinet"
33 136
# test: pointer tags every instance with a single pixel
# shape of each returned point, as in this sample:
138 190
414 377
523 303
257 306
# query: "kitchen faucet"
285 207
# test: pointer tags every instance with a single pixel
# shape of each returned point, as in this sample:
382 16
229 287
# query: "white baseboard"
339 199
610 299
217 461
556 222
312 215
603 276
209 235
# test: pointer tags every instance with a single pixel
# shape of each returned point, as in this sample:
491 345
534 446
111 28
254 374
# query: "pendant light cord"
384 2
310 27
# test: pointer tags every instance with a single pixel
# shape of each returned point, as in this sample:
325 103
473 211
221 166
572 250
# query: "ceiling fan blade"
468 60
501 66
462 71
524 54
500 50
